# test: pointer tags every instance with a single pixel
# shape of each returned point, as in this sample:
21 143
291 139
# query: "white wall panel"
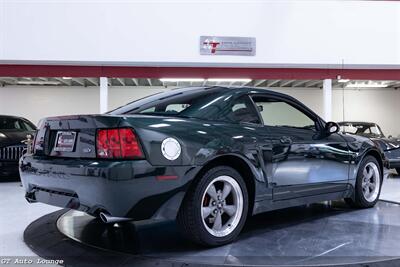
289 33
36 102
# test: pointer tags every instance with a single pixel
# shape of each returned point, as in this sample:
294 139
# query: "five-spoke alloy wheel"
368 184
222 206
214 212
371 181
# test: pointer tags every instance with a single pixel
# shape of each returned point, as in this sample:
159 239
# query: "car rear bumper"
8 168
133 189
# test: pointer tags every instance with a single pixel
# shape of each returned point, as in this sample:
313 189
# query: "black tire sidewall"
213 173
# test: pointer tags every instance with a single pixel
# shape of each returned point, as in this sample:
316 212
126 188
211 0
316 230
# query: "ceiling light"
38 82
228 80
343 80
181 80
367 85
67 78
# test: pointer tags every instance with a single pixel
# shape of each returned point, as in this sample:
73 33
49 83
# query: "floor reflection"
318 233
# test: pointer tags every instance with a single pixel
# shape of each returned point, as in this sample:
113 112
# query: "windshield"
213 103
14 124
368 130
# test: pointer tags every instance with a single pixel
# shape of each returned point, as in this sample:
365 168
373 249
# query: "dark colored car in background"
208 157
389 145
13 130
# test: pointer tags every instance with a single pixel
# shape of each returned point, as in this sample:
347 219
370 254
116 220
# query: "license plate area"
65 141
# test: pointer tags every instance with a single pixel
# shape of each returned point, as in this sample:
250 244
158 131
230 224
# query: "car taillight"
118 143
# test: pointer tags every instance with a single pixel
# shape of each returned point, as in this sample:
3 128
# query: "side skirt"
268 205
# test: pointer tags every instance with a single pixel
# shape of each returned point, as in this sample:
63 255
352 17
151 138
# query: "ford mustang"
208 157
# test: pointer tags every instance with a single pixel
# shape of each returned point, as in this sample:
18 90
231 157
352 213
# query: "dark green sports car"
208 157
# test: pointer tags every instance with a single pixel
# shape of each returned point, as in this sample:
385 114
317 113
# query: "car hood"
387 144
12 137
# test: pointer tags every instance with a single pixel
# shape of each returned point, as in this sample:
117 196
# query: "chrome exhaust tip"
105 218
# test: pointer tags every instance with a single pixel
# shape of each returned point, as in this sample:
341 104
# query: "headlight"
2 135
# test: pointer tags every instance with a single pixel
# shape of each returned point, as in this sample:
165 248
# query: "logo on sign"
211 45
236 46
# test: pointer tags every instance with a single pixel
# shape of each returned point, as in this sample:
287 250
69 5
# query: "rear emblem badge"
170 148
86 150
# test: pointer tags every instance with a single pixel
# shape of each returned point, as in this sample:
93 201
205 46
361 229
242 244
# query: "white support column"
327 95
103 94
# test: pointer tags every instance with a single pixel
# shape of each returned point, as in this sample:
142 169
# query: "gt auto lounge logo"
236 46
211 45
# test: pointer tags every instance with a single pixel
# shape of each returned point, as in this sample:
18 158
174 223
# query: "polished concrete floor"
318 234
391 189
16 214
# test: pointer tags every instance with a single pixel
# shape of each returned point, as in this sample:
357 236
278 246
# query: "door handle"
286 140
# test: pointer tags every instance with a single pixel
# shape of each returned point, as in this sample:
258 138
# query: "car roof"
12 117
238 89
357 122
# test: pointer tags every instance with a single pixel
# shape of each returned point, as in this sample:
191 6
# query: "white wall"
372 105
164 32
36 102
121 95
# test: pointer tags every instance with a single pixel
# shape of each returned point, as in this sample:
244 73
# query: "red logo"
211 45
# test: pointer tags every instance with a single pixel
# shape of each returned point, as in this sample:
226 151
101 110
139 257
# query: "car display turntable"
329 234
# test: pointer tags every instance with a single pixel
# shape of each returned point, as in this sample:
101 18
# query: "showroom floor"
17 214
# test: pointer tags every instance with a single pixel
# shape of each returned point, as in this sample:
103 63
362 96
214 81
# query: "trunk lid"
82 127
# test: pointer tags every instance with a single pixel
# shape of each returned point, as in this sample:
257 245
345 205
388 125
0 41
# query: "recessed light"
181 79
244 80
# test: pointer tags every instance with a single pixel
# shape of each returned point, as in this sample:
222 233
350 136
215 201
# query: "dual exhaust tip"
106 218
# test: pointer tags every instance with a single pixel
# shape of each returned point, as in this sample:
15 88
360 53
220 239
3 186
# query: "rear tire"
214 211
368 184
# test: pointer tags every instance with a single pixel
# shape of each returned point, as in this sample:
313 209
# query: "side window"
176 108
279 113
243 110
27 126
17 125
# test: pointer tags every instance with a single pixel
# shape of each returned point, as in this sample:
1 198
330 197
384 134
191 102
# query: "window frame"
319 123
261 122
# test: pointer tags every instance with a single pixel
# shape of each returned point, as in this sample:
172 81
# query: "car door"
299 159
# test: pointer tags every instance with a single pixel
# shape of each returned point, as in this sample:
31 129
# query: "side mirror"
331 128
390 136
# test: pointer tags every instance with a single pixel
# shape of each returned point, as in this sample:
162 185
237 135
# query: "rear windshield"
202 103
14 124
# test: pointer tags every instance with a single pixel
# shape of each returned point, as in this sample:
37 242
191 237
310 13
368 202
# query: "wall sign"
222 45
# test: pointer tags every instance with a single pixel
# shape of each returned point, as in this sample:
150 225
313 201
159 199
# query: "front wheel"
368 184
215 210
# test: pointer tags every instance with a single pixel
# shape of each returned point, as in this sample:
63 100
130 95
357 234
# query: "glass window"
348 129
368 130
27 126
375 130
279 113
243 110
10 124
214 103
